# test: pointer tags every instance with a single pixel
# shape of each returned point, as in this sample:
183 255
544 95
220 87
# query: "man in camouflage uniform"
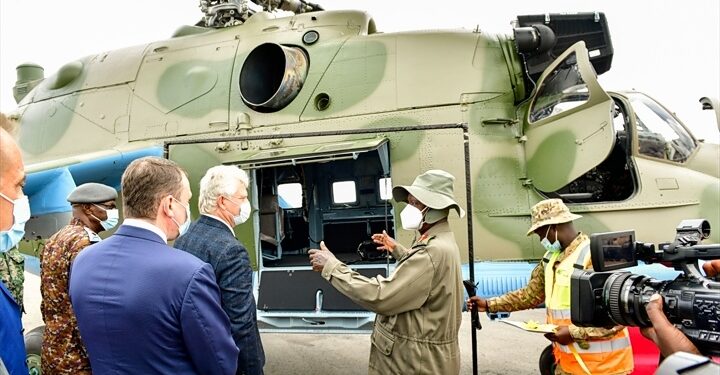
577 350
418 306
12 273
93 207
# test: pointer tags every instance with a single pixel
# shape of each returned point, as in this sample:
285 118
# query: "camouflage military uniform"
533 294
12 267
62 349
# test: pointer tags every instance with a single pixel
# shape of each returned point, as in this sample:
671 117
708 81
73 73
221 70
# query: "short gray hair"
221 180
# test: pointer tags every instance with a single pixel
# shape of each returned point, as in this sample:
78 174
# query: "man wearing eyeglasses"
93 211
223 203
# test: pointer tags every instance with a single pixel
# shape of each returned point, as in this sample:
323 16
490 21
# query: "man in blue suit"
143 307
224 204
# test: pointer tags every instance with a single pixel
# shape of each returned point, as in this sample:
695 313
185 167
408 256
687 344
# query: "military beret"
92 192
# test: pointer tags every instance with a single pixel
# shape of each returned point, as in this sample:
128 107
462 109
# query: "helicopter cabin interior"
336 193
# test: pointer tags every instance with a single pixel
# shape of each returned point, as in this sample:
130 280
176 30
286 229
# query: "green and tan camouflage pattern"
12 273
549 211
380 85
62 349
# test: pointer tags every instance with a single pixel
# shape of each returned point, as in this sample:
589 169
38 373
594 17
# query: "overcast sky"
667 49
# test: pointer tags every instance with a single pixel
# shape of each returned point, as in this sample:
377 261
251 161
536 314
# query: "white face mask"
411 218
244 214
245 210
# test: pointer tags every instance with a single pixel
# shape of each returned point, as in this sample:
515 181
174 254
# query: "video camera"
691 301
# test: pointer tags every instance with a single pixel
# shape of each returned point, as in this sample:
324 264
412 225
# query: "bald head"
12 175
10 125
9 150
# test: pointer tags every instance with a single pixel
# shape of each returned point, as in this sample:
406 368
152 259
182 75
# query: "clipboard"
530 326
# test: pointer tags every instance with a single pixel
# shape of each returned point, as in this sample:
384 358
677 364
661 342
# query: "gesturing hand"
384 241
320 257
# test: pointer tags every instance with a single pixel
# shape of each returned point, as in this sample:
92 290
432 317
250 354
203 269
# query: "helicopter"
327 113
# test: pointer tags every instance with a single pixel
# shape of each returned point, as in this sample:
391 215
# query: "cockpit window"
562 90
659 134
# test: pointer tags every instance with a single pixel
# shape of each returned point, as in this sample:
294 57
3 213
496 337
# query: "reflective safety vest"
609 356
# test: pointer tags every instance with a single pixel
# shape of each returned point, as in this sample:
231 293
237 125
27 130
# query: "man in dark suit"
223 203
143 307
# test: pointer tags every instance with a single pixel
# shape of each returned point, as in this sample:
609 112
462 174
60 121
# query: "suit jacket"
145 308
212 241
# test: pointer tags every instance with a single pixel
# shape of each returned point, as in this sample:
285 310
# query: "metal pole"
471 253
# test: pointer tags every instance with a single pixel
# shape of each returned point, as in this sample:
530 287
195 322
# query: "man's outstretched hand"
319 257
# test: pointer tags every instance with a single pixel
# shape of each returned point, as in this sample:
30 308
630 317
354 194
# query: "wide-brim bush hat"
550 211
433 188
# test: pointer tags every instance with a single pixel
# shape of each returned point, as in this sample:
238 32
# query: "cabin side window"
385 188
290 196
563 90
343 192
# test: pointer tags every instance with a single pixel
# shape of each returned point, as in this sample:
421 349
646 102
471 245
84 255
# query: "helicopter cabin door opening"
333 192
569 125
615 178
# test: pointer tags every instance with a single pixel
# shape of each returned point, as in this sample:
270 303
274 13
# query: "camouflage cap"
92 192
550 211
433 188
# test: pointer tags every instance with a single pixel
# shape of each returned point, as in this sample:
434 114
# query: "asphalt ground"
502 349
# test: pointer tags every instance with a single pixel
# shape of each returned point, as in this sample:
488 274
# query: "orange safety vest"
609 356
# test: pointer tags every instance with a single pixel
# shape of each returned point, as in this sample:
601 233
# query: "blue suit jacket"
212 241
143 307
12 345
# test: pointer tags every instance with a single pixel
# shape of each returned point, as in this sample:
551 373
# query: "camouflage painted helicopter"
326 113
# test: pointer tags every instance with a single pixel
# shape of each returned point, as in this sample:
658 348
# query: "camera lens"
626 295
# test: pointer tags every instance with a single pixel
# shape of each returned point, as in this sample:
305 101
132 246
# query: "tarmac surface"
502 349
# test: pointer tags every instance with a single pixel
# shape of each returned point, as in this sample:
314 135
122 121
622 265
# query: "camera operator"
668 338
712 268
577 350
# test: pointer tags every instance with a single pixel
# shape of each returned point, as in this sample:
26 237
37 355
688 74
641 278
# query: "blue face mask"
21 214
182 228
551 247
113 217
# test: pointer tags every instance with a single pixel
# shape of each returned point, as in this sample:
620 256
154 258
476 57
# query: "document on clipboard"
531 326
